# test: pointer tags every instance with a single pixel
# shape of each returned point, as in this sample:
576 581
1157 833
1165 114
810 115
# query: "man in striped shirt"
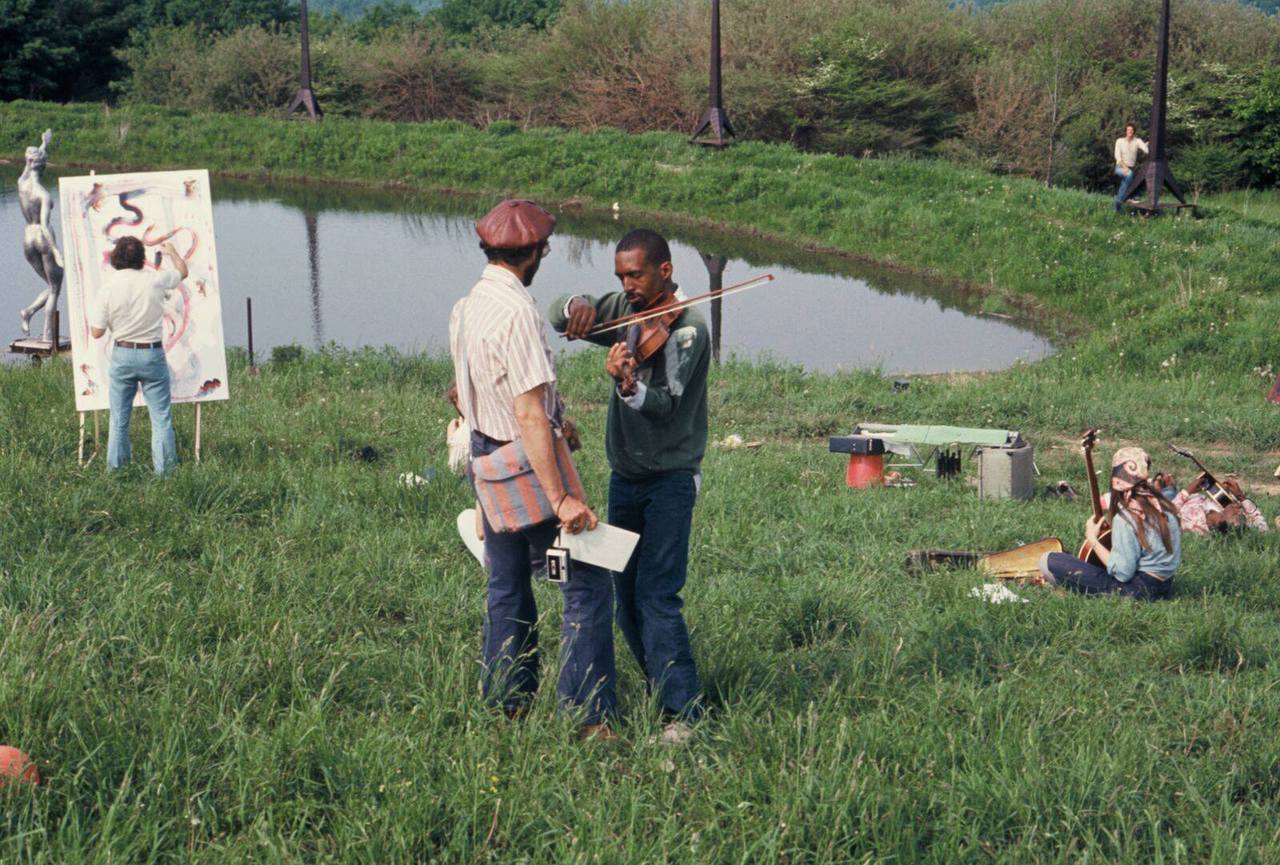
507 390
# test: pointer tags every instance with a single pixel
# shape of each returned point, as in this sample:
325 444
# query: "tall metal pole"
1156 174
714 119
306 97
248 310
1159 100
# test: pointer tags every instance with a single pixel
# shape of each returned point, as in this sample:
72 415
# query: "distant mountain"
356 8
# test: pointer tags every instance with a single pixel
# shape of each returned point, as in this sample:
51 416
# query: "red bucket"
865 470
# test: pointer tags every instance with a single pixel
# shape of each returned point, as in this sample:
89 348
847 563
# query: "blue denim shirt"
1127 557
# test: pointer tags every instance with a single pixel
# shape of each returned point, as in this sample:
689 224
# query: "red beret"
514 224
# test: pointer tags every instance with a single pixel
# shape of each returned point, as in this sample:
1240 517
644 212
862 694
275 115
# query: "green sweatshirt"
663 426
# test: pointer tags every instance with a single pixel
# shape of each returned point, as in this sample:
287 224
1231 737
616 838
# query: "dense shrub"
413 75
252 69
1038 87
1258 112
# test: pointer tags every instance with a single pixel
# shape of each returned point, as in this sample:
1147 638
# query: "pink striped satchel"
509 491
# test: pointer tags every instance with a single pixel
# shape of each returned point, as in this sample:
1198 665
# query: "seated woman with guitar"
1136 549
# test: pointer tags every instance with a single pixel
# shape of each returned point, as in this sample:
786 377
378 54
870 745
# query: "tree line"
1037 88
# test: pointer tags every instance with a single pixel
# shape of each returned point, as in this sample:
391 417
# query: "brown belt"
120 343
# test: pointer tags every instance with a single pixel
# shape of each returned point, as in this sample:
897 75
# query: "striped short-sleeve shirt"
498 328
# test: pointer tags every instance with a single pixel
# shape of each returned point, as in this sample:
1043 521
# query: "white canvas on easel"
153 206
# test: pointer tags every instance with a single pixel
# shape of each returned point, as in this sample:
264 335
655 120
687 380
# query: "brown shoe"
597 733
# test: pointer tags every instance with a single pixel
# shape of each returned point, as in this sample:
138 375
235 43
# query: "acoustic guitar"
1217 494
1087 550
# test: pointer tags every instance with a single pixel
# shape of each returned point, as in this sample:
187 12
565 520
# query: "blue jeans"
1129 178
511 623
1090 579
649 604
131 367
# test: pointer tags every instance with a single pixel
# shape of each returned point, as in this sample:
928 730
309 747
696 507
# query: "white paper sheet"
605 546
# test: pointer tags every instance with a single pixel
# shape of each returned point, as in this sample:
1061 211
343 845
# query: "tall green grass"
272 656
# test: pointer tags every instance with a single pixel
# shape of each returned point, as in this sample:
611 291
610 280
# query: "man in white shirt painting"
1126 158
131 306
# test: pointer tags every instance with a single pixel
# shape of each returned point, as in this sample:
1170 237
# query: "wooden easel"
96 438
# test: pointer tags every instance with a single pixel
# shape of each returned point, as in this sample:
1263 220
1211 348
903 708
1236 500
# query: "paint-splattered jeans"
131 367
649 605
511 623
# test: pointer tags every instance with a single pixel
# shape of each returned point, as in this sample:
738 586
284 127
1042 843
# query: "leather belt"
120 343
490 440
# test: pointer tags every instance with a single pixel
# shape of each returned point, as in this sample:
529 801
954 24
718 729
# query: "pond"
362 267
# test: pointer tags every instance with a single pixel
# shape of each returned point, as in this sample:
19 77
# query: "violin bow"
714 294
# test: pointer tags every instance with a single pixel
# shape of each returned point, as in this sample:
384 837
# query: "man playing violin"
655 439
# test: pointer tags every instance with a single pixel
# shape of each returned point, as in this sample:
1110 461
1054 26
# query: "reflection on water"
715 270
313 274
394 263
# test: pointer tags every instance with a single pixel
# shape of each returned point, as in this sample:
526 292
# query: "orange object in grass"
18 766
865 470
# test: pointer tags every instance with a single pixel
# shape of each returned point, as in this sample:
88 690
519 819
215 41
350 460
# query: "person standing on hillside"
131 306
655 439
506 391
1126 153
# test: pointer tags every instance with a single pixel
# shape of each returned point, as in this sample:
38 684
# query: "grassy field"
272 656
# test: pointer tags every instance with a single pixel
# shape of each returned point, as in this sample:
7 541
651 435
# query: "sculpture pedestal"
38 348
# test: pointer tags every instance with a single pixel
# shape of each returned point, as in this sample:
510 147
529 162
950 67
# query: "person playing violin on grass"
655 438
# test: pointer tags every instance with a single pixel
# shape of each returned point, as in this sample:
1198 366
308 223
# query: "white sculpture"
39 246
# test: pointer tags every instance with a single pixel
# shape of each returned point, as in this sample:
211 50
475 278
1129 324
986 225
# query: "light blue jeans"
131 367
1128 178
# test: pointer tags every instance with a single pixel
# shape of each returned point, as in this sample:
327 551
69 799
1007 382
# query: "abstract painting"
155 207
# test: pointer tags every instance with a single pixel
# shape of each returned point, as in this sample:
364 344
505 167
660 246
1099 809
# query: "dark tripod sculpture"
1156 174
714 119
306 97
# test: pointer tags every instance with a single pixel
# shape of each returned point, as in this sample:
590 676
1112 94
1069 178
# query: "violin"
646 338
1218 494
1087 549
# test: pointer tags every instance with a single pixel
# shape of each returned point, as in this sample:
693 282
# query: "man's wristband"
560 503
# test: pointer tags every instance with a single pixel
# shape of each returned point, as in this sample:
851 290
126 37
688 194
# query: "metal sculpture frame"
715 120
305 97
1156 174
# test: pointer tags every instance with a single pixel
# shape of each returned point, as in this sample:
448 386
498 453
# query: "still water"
360 267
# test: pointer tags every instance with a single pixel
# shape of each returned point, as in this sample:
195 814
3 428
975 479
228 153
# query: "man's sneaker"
676 734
